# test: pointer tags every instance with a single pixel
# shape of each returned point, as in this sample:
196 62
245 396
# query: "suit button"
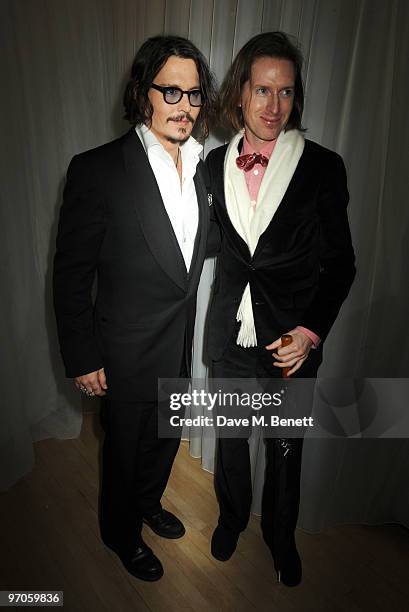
259 303
235 300
252 267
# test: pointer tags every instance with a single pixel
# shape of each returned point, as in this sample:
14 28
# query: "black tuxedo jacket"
114 227
303 266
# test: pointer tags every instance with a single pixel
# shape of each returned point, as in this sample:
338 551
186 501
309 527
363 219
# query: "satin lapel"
154 220
202 229
235 238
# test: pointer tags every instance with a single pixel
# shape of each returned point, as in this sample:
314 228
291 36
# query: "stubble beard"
179 140
184 135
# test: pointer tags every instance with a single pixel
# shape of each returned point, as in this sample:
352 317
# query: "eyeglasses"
173 95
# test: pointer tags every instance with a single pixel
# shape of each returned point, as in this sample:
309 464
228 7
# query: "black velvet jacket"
303 266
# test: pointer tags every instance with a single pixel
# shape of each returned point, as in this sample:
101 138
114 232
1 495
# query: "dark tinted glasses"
173 95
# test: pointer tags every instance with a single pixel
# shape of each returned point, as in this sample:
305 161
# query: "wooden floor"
49 541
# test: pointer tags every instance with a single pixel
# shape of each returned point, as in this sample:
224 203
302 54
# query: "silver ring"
85 390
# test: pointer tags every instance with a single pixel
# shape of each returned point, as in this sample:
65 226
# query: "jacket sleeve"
337 260
80 234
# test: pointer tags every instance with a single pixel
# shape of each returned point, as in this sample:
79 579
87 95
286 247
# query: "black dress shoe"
165 524
289 570
224 543
144 564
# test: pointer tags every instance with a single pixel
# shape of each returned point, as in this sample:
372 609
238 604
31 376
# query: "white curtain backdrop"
64 64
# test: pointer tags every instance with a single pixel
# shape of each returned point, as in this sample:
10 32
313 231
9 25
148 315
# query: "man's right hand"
93 383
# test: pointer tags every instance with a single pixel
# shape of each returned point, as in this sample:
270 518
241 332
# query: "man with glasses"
136 216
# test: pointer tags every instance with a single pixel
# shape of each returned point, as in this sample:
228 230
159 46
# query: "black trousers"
136 466
281 492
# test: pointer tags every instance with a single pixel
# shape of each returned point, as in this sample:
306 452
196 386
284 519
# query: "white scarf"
250 223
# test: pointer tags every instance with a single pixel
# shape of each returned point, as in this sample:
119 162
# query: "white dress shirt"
180 200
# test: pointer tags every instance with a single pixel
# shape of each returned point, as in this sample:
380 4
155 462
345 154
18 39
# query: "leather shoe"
224 543
144 564
165 524
289 571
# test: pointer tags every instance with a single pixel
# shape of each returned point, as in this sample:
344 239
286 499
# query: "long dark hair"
149 60
268 44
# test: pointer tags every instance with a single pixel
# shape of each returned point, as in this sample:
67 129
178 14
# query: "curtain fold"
64 66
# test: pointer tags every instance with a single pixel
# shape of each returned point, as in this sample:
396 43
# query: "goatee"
179 140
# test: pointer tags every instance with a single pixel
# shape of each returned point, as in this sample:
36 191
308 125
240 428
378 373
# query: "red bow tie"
247 162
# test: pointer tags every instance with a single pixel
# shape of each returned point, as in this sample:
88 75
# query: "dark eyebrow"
179 87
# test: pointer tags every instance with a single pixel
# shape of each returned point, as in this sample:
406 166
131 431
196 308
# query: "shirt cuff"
315 339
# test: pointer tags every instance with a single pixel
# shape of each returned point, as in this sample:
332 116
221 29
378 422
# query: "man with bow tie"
285 266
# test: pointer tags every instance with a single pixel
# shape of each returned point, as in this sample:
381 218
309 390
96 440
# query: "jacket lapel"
203 227
285 205
154 220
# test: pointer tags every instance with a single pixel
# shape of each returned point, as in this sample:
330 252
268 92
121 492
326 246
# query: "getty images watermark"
323 407
226 402
233 407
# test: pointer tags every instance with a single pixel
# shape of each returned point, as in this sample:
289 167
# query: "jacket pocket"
297 299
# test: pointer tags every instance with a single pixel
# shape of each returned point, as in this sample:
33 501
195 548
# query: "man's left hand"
292 355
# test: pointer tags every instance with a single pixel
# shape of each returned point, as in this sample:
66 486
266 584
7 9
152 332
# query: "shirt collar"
190 149
266 149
